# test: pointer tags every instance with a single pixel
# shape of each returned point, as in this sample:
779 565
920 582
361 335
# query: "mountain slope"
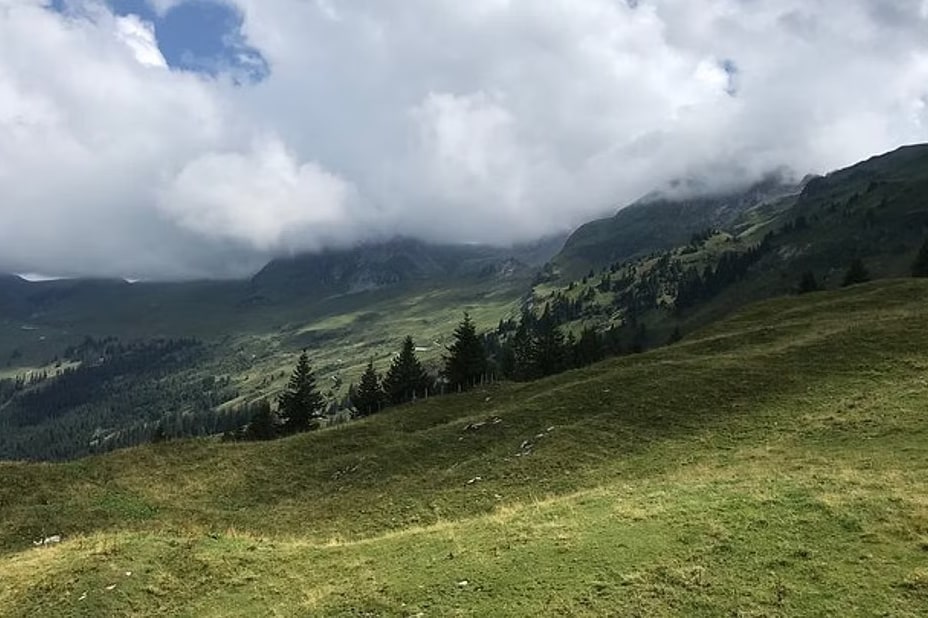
772 464
375 266
657 223
874 211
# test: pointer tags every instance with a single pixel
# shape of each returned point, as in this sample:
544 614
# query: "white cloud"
140 37
263 197
491 120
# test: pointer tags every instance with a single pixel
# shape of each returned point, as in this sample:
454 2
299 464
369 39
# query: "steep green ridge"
658 223
378 265
875 211
772 464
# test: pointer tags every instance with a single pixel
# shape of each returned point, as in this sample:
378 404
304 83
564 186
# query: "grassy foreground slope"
773 464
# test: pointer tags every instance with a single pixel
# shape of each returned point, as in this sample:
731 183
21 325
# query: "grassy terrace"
773 464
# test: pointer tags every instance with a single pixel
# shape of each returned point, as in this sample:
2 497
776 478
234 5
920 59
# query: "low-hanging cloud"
489 120
260 197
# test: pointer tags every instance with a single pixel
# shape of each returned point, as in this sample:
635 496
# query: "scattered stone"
463 583
50 540
82 597
128 573
476 479
493 420
113 587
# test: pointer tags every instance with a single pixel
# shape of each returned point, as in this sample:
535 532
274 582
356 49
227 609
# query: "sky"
176 139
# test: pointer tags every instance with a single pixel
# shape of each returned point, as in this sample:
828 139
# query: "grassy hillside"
772 464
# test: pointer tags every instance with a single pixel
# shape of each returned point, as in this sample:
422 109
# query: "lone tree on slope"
808 283
920 267
406 378
301 405
262 425
550 356
369 396
466 362
856 273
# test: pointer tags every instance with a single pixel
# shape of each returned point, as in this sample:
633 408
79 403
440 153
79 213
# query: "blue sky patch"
204 36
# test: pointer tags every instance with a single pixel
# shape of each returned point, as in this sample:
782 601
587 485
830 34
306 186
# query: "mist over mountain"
133 148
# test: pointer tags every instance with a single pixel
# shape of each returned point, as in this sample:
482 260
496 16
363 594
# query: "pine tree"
589 348
159 435
406 378
262 425
466 362
856 273
808 283
301 404
524 352
570 351
640 341
920 267
369 397
550 351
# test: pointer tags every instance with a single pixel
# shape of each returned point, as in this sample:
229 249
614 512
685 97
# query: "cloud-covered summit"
487 120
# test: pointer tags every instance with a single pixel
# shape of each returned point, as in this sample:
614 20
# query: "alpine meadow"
418 309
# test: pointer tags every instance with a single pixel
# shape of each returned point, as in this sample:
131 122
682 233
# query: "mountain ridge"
656 222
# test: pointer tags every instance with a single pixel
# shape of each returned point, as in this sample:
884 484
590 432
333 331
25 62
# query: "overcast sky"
173 138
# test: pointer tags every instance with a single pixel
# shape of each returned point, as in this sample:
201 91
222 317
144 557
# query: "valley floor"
772 464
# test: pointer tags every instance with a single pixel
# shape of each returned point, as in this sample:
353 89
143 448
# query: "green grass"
773 464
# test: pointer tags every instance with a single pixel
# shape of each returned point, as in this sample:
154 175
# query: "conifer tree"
159 435
262 425
301 404
406 379
920 267
550 351
640 340
808 283
369 396
856 273
570 351
589 348
466 362
523 352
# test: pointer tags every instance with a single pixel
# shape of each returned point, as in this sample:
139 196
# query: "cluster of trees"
301 407
732 266
76 387
857 272
537 349
117 397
